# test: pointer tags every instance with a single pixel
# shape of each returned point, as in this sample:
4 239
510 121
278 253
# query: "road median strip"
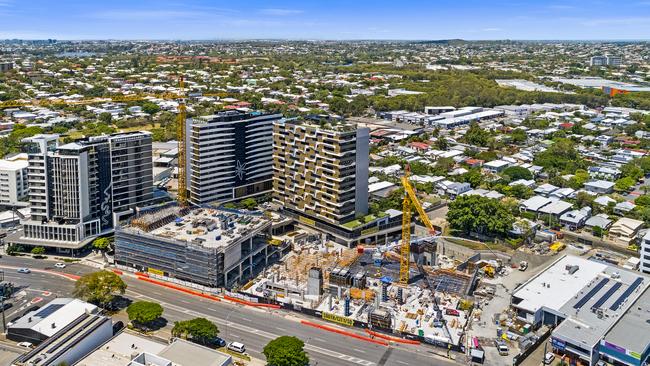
343 332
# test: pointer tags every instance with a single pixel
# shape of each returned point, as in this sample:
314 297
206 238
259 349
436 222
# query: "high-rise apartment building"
13 181
83 189
607 60
321 170
229 156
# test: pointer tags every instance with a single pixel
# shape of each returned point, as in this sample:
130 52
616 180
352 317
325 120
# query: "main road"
251 326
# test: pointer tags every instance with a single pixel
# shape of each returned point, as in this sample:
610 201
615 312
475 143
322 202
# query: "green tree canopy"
99 287
286 351
249 203
144 312
476 135
200 330
38 250
102 243
624 184
479 214
517 172
561 156
643 200
150 108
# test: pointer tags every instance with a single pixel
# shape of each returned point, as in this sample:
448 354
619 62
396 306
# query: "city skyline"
336 20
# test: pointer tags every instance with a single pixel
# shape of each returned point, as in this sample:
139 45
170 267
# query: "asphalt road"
253 327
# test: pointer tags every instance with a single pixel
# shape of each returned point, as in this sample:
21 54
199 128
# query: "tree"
597 231
480 215
561 156
150 108
38 250
286 351
584 199
106 118
517 172
643 200
99 287
632 170
518 136
144 312
102 243
200 330
249 203
476 135
624 184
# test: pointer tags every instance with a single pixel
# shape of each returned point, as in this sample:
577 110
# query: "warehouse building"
584 299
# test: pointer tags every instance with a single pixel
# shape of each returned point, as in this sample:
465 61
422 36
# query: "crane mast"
180 133
410 201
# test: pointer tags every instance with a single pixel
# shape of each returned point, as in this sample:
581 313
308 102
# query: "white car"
237 347
548 358
60 265
25 344
23 270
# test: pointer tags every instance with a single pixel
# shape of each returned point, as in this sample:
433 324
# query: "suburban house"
575 219
625 230
600 186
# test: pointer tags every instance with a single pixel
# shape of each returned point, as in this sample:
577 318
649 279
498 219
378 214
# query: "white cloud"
491 29
281 12
561 7
147 14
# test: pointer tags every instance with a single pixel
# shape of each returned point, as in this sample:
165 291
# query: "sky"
326 19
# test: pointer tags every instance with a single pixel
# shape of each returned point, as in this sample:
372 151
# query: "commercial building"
13 181
321 171
83 189
607 60
74 329
130 349
584 299
41 324
205 246
229 156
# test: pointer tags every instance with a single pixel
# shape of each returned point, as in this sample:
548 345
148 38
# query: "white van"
237 347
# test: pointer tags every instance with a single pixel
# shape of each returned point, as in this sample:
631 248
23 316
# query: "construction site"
406 289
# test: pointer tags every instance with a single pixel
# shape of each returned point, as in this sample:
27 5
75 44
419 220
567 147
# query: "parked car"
25 344
548 358
60 265
219 342
237 347
7 305
501 347
23 270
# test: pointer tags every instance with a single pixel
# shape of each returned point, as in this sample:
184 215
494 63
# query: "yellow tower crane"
410 201
180 133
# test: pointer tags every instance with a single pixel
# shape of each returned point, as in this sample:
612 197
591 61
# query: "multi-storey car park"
205 246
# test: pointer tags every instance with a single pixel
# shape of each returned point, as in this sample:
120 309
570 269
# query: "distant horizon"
333 20
594 40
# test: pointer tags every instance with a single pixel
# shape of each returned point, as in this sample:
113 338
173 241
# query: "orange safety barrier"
178 288
392 339
118 272
249 303
343 332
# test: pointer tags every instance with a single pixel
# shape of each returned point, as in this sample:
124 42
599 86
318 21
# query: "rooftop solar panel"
591 293
606 296
626 294
49 310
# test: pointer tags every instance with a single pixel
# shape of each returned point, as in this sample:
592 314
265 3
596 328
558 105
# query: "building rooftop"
555 285
593 310
128 348
632 329
207 227
54 316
